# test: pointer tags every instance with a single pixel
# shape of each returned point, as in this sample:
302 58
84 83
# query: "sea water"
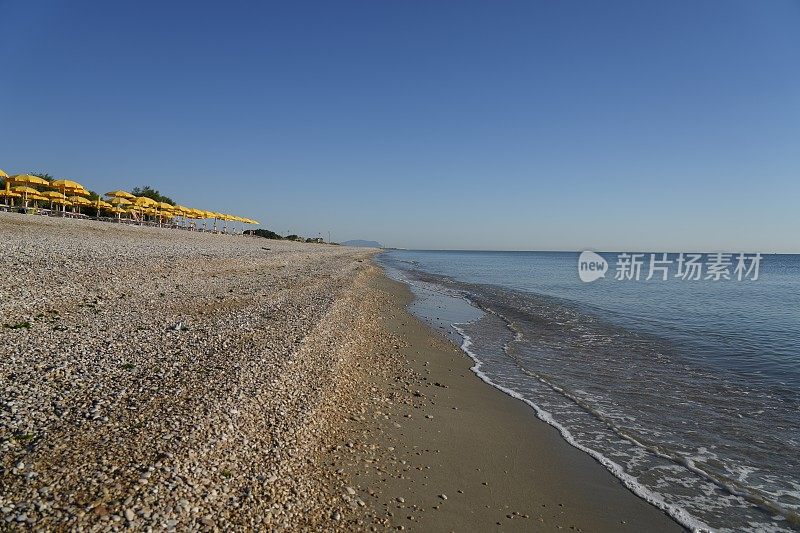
687 391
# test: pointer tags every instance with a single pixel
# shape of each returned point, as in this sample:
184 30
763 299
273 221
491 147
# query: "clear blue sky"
505 125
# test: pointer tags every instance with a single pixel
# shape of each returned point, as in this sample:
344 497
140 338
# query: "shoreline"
200 382
455 453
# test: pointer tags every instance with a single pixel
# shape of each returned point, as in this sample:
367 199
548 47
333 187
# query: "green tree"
153 194
267 234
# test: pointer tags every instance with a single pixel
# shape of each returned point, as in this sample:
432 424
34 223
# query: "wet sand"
447 452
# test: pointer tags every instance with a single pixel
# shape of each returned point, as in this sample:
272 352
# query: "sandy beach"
177 380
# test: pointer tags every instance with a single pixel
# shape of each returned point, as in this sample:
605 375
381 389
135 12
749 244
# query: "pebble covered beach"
171 379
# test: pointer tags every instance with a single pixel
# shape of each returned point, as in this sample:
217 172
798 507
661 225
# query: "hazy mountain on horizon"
362 243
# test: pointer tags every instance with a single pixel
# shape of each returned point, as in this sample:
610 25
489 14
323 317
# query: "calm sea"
687 391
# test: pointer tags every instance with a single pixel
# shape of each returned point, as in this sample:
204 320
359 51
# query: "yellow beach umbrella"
164 211
118 211
99 204
10 194
75 191
119 200
199 214
37 198
3 175
188 213
79 200
66 184
196 214
121 194
142 205
217 217
181 211
27 179
66 187
52 195
143 201
25 190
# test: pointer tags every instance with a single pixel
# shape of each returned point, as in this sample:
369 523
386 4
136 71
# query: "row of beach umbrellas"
68 193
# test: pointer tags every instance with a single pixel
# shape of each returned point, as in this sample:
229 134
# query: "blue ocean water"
688 391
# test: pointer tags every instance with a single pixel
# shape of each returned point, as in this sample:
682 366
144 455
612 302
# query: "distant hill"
363 244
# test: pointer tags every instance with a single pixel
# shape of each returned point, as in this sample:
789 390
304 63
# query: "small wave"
731 486
677 513
725 483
